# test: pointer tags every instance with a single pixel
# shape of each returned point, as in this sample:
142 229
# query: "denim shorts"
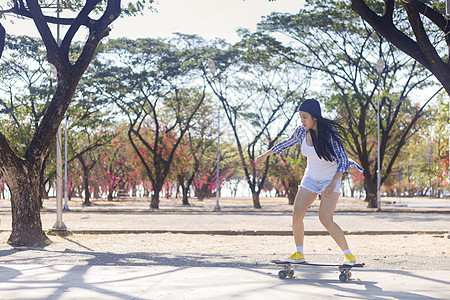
318 186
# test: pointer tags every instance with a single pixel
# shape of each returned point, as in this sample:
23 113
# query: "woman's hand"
259 160
262 157
329 190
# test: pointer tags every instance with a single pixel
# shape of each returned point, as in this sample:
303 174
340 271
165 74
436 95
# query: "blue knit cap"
312 107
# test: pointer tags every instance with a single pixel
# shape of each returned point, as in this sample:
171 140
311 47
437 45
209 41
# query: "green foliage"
286 172
26 89
422 168
137 7
154 86
129 8
153 83
330 38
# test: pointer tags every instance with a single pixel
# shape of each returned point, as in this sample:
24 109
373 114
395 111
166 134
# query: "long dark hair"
328 130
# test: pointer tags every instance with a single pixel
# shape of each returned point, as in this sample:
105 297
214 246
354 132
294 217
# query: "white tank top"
316 168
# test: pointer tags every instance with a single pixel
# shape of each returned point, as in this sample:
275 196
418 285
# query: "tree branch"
8 157
385 26
22 11
81 19
412 9
2 39
44 30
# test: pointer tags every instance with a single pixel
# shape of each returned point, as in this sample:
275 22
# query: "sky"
207 18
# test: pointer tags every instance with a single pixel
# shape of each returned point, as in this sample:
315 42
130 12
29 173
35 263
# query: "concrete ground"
133 253
170 282
237 216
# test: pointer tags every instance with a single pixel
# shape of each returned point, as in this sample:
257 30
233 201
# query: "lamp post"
212 70
447 15
66 205
59 225
380 69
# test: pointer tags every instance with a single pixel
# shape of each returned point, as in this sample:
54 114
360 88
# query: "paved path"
168 282
240 222
95 274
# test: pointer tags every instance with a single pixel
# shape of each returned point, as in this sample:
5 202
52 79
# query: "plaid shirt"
341 158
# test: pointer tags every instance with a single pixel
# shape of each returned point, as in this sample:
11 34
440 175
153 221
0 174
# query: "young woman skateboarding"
327 161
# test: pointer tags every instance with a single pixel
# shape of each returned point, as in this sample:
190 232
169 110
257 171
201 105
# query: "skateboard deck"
345 273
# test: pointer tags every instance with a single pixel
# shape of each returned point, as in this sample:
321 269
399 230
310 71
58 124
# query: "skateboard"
345 273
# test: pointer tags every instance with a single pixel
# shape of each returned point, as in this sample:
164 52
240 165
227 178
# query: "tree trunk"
291 190
96 192
371 194
87 194
255 197
146 192
198 194
134 191
291 197
154 203
23 183
203 192
185 185
185 195
110 194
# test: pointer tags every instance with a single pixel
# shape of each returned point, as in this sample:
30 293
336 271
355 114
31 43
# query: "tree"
260 94
152 82
115 170
424 170
328 39
288 170
205 181
91 128
84 147
442 145
426 40
198 149
27 87
21 169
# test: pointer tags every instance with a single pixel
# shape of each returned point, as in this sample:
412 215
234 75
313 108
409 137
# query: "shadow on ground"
155 268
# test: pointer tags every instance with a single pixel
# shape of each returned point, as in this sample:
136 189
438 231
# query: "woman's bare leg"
326 212
303 201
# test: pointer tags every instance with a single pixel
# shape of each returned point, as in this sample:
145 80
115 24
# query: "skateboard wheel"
349 275
282 274
291 273
343 277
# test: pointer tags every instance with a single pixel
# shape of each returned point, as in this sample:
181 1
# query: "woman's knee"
303 200
326 220
298 214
